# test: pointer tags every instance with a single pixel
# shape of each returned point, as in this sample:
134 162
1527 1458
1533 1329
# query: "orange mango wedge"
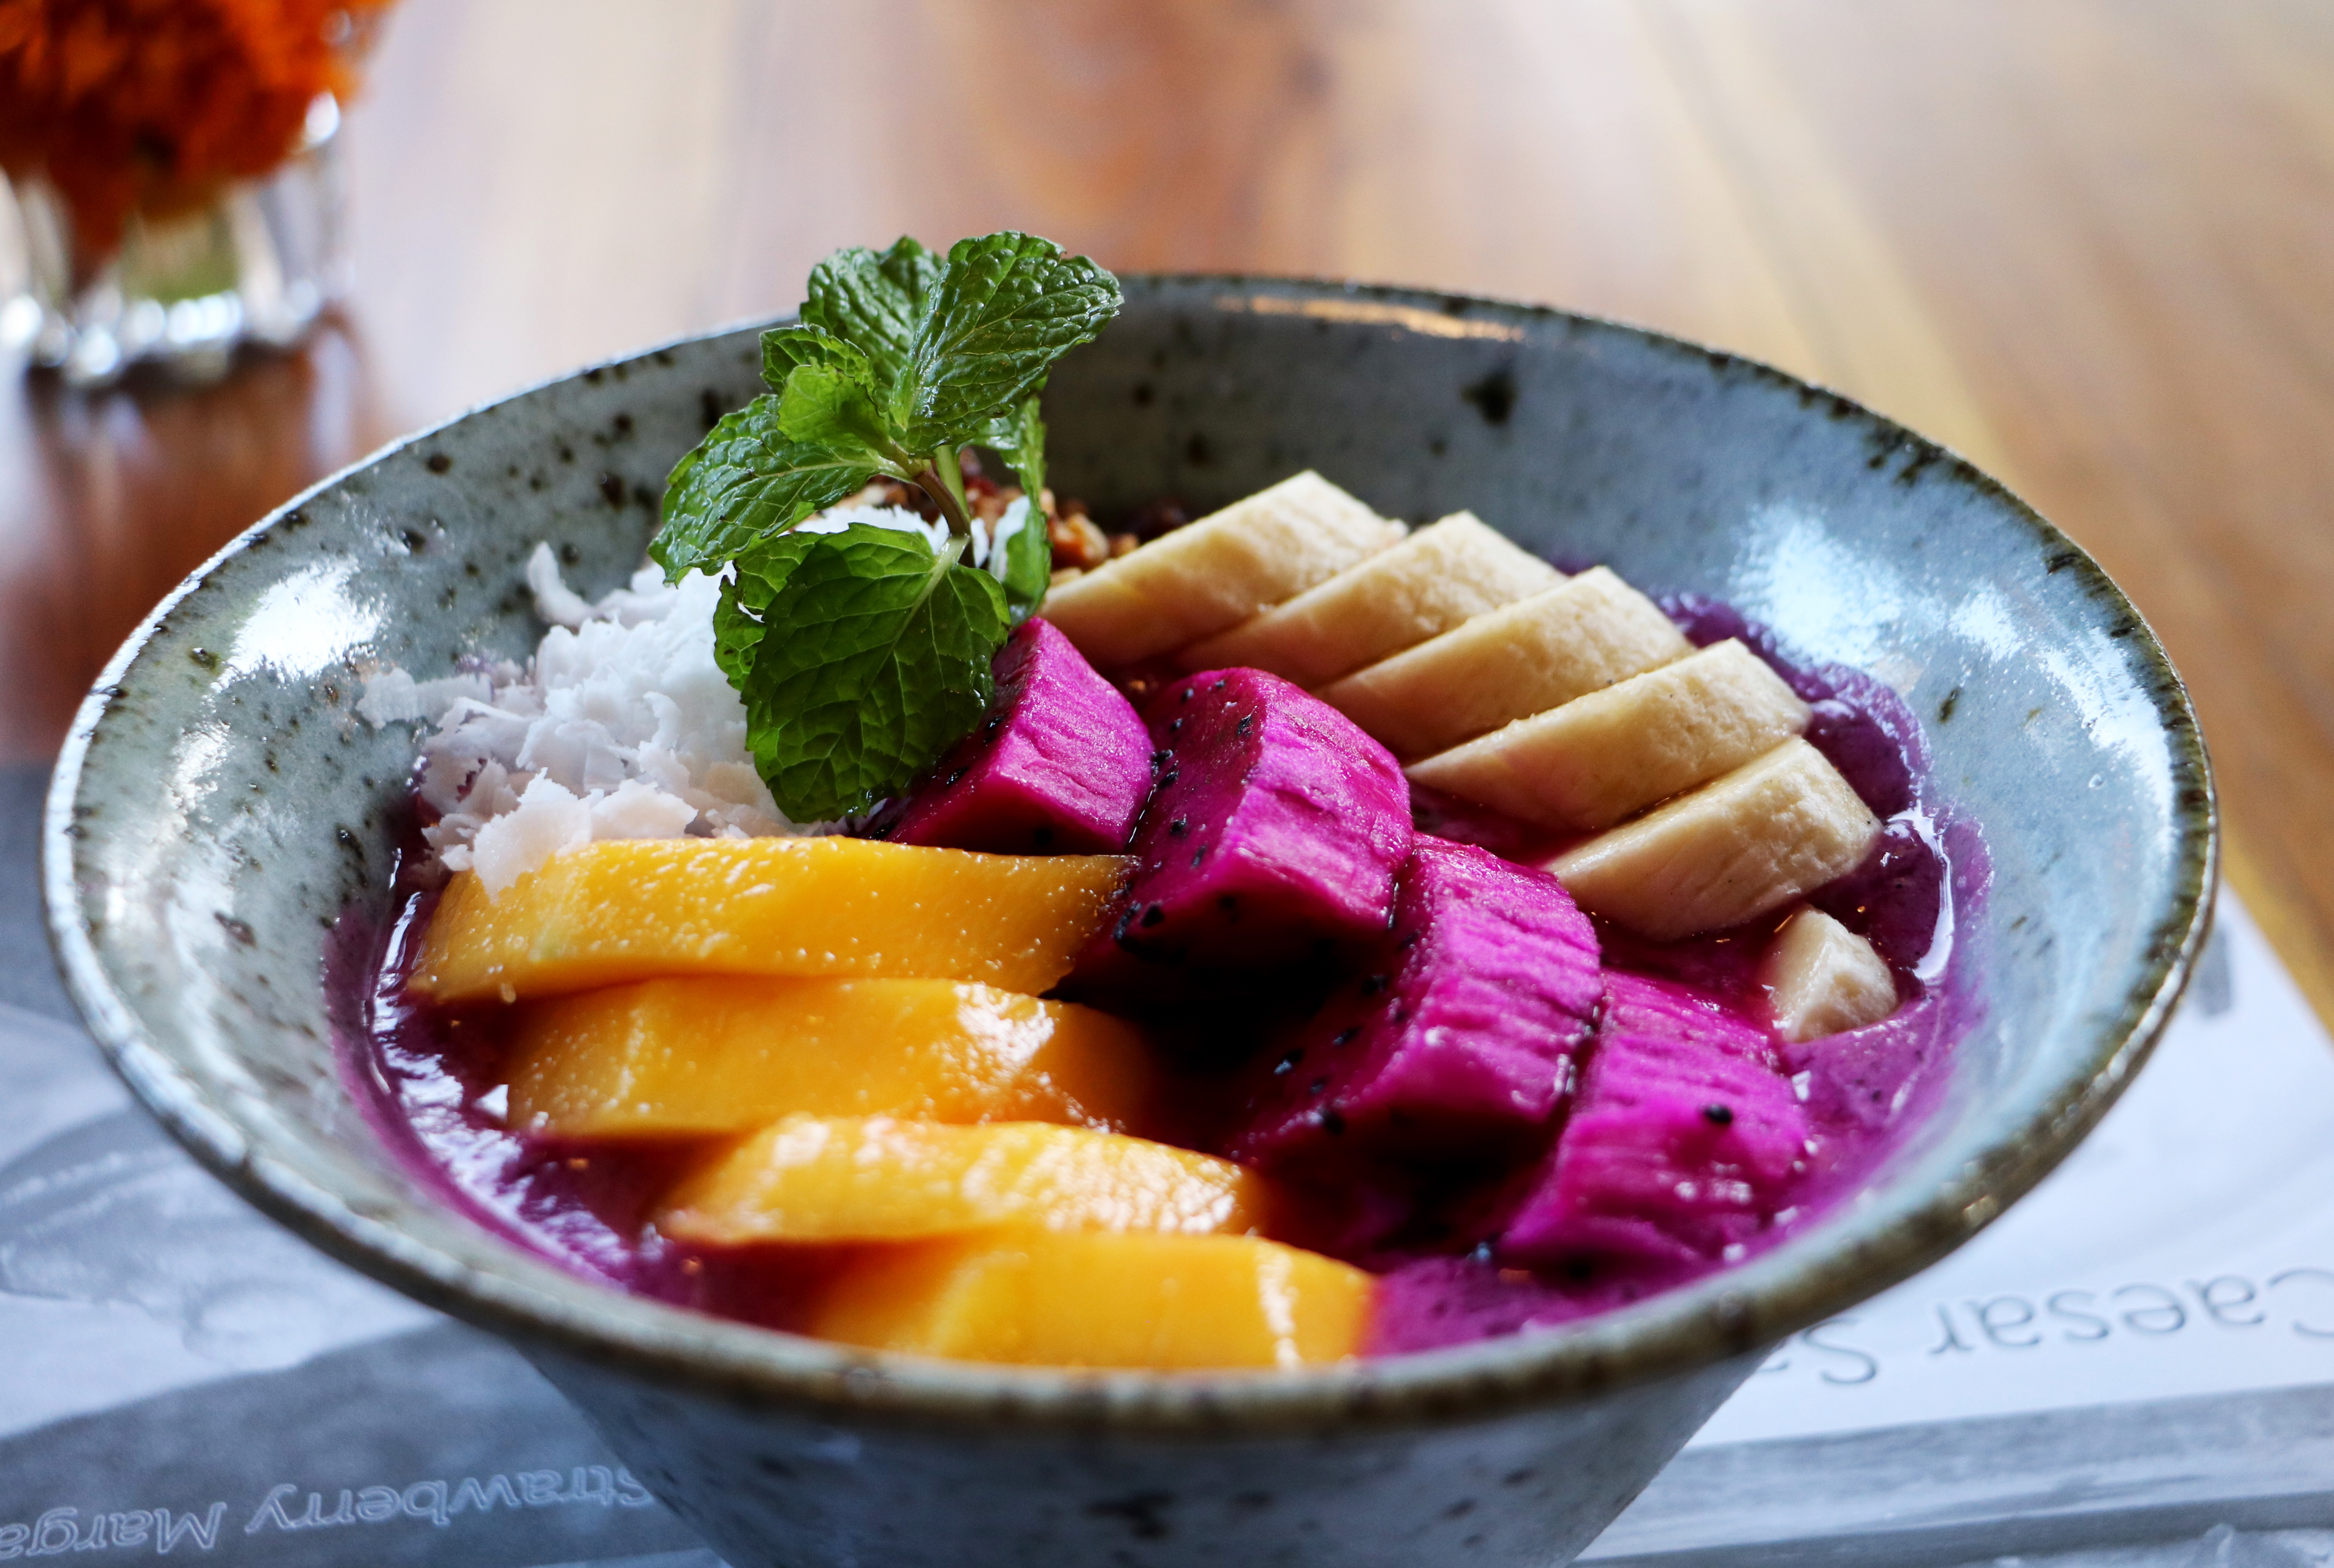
812 1179
726 1055
1100 1300
627 910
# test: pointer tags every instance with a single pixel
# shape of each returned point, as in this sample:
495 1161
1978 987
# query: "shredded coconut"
620 727
991 552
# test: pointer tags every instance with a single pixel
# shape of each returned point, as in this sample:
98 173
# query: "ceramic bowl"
220 817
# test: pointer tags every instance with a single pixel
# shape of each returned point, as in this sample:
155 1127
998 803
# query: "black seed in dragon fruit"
1457 1035
1273 832
1060 765
1684 1140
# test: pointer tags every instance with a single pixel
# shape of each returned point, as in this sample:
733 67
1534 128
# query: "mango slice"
873 1178
1099 1300
626 909
726 1055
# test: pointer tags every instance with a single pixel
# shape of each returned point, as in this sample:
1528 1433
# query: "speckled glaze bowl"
220 808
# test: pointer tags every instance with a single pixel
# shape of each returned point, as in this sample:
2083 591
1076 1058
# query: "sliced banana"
1210 575
1599 759
1822 977
1435 580
1737 848
1509 663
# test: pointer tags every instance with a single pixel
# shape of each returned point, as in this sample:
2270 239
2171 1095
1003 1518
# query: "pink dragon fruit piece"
1458 1038
1684 1140
1060 765
1274 831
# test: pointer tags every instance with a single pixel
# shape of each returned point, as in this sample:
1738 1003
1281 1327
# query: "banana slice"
1600 757
1509 663
1735 849
1423 587
1210 575
1822 977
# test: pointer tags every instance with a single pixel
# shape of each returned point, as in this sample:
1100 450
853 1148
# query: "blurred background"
2087 243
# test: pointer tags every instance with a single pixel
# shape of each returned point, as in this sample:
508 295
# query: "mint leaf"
1026 565
1019 437
834 407
1003 310
911 268
828 396
874 302
785 348
874 660
746 481
1025 561
742 616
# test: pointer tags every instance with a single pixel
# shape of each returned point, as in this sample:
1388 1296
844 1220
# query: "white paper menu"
2186 1247
2134 1365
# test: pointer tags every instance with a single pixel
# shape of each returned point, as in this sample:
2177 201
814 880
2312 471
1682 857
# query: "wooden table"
2089 242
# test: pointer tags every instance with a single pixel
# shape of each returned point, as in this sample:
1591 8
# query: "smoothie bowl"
1856 1036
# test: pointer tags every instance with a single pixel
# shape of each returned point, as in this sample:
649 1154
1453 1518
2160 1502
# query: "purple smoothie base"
425 1079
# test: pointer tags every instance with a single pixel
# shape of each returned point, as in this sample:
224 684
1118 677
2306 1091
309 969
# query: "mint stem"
944 482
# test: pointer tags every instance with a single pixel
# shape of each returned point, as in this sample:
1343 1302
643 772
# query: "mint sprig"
863 654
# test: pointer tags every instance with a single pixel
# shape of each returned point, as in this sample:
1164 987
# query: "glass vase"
256 265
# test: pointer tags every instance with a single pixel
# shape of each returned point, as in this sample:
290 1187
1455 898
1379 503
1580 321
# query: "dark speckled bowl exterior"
219 807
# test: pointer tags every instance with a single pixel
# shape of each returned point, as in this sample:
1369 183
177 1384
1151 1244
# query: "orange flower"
152 105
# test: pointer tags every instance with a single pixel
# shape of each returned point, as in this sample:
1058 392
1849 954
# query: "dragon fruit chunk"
1275 830
1459 1035
1683 1142
1060 765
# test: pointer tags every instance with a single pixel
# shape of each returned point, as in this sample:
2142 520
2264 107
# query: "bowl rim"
1726 1316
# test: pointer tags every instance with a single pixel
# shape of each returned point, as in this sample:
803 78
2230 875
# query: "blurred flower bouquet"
171 164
